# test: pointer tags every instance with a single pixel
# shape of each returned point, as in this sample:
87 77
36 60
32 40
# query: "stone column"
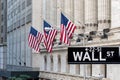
113 71
47 10
60 8
90 25
98 70
69 13
82 70
63 61
85 70
44 9
79 22
41 14
55 64
69 9
53 13
48 62
104 14
88 69
90 15
79 15
72 69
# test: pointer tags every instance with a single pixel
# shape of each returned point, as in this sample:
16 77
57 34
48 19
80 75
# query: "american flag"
34 39
67 28
49 36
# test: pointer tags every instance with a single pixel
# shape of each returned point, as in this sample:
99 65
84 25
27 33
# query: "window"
24 63
23 5
11 2
1 39
6 38
51 62
2 18
28 18
18 23
22 21
100 21
2 6
59 63
15 24
8 4
45 61
104 21
12 14
90 24
29 2
109 21
8 16
1 29
19 9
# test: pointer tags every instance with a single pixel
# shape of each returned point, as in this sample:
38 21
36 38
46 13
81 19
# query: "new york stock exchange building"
97 24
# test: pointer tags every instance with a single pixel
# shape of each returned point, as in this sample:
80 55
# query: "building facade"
0 17
98 20
3 60
3 31
3 25
19 20
3 37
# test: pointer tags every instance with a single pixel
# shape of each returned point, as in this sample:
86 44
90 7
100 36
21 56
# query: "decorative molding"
104 42
91 24
64 76
104 21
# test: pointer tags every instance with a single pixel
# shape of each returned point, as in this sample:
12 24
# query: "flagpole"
84 64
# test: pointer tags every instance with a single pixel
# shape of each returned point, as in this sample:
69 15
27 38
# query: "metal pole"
84 64
84 72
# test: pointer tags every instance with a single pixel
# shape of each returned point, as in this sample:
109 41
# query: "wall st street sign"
93 55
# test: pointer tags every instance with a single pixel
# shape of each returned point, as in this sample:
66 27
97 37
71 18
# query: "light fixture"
78 40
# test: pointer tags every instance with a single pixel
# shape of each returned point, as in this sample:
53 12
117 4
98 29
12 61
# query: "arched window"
67 65
59 63
51 57
45 64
